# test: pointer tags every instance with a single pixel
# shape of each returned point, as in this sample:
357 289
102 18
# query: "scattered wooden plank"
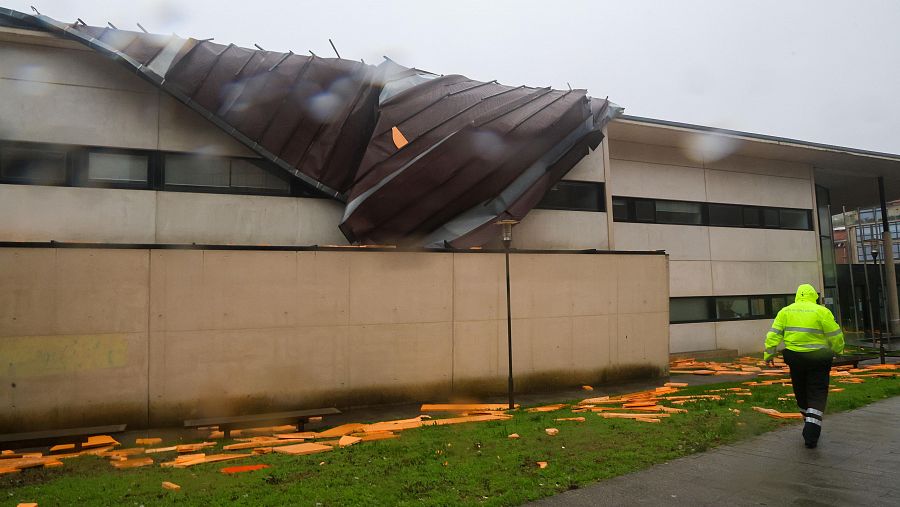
513 436
161 449
268 442
148 441
339 431
242 469
348 440
542 464
675 384
59 448
576 419
185 448
619 415
303 449
771 412
190 460
463 407
647 419
551 431
99 441
8 470
303 435
547 408
170 486
133 463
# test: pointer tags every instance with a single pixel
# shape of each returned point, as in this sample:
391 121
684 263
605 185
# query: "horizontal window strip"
27 163
686 310
709 214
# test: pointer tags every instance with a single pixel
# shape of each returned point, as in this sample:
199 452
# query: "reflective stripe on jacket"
804 326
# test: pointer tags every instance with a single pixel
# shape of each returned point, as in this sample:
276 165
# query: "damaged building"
244 201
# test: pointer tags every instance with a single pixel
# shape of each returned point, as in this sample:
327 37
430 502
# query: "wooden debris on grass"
27 504
148 441
303 435
303 449
620 415
542 464
551 431
547 408
53 464
189 460
348 440
242 468
464 407
835 389
170 486
513 436
339 431
161 449
133 463
100 441
576 419
262 442
261 431
185 448
587 388
771 412
675 384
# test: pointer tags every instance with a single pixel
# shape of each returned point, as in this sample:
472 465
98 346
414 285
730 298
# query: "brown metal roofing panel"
421 159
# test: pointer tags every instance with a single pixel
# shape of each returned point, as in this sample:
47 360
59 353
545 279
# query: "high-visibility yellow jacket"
804 326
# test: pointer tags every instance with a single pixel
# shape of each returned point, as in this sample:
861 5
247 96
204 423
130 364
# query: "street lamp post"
506 237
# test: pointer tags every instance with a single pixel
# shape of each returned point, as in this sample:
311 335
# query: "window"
690 310
574 195
189 170
117 167
644 211
675 212
214 172
730 308
726 215
33 165
664 211
620 209
726 308
794 219
246 174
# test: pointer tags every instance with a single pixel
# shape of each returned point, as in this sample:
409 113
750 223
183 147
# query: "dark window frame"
77 161
712 310
629 205
601 198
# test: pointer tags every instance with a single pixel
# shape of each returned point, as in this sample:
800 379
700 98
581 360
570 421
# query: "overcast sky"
824 71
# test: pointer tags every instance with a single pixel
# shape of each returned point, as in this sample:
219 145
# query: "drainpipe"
890 270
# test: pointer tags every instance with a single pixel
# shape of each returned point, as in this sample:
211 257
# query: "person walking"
811 338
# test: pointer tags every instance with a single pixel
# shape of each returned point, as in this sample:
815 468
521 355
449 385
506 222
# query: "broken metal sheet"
420 159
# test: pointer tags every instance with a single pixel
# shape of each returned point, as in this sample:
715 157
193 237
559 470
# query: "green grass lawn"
471 463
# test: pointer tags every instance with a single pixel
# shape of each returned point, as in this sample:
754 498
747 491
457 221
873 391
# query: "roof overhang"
849 173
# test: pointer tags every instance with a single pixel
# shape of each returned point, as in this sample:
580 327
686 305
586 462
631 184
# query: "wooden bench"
52 437
850 360
226 424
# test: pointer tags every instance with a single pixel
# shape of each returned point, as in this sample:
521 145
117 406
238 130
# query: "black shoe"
811 445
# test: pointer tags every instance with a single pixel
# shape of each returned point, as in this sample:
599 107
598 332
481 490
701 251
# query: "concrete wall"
101 215
68 94
102 335
568 230
718 260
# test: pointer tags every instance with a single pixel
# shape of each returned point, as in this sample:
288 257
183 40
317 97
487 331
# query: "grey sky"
824 71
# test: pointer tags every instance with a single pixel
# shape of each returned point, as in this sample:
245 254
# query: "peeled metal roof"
419 159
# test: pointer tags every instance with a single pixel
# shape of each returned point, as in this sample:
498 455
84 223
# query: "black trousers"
810 375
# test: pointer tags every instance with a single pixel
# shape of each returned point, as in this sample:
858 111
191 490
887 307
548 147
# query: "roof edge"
893 157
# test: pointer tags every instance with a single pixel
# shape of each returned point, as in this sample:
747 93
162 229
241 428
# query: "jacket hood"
807 292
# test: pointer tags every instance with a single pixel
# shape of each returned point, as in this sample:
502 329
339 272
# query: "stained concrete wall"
104 335
102 215
707 261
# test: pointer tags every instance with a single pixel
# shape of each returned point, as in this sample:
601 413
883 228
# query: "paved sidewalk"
857 463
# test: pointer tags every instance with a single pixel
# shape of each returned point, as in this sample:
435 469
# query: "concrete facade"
718 261
91 335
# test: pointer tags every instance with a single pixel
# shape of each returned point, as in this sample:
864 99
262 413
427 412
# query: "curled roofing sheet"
419 159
